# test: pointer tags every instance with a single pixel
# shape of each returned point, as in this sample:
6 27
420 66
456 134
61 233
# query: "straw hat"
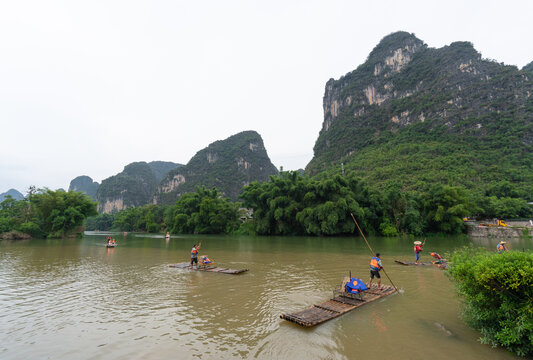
418 242
503 242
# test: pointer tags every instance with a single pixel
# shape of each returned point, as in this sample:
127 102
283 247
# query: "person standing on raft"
418 249
375 268
194 255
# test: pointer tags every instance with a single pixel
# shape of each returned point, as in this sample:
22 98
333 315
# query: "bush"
387 229
30 228
498 294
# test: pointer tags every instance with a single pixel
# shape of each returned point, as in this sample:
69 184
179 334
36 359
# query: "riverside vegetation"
498 296
45 213
294 204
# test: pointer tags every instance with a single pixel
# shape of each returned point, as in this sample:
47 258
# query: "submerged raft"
412 263
442 265
340 304
213 269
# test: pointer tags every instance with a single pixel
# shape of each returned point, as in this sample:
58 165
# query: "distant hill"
161 168
84 184
132 187
529 68
419 115
15 194
226 164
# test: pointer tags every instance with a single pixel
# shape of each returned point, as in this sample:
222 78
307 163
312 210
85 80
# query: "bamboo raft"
214 269
338 305
442 265
412 263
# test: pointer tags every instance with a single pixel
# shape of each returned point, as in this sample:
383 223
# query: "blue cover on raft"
355 286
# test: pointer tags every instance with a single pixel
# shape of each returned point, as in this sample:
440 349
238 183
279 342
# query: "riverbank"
14 235
512 230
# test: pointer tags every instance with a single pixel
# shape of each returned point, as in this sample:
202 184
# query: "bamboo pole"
372 251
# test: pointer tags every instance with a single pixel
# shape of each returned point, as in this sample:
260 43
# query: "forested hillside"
226 164
132 187
84 184
419 116
161 168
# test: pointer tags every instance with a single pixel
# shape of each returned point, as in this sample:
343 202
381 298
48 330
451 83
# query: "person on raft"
438 258
205 261
194 255
375 268
418 249
501 248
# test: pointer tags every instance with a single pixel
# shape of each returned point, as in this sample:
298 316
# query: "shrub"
498 294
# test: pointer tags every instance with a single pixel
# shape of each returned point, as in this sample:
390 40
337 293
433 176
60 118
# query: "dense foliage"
498 296
446 116
46 213
203 211
292 204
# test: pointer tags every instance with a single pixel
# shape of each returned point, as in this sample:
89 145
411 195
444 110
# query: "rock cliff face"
409 103
227 165
161 168
132 187
84 184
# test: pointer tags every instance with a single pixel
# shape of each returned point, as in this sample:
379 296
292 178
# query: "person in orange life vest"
438 257
418 250
375 268
205 260
194 255
501 248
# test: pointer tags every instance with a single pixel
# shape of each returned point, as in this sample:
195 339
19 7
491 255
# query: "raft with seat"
341 303
214 269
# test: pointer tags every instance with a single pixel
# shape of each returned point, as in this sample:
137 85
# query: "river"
76 299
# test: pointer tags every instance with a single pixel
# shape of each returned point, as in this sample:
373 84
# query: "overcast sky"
87 87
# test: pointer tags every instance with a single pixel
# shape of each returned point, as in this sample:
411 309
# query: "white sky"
87 87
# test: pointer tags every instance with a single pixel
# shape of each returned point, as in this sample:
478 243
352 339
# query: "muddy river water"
76 299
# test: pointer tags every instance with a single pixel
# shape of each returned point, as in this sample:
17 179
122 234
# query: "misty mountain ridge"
15 194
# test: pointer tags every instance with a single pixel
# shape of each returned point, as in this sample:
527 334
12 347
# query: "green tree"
204 212
99 222
58 213
445 208
290 204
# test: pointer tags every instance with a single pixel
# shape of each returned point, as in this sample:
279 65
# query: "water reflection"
61 297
